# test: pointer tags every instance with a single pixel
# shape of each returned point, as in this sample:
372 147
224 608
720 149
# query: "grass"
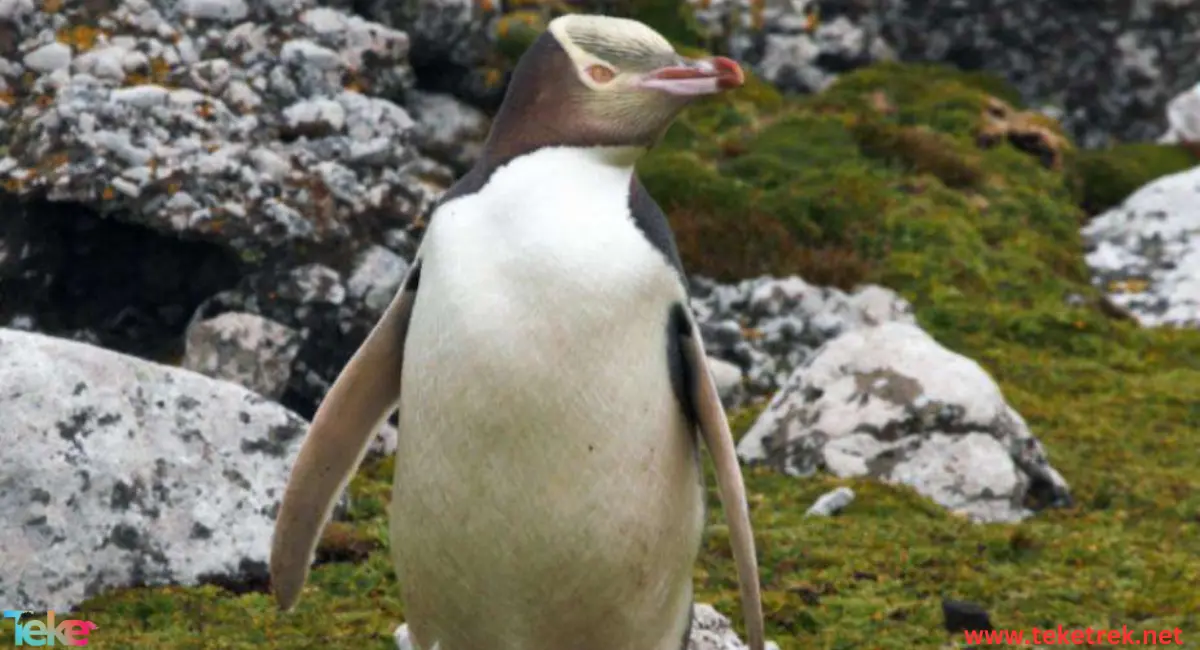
883 178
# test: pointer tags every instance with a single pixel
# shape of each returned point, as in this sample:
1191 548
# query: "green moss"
1107 177
867 183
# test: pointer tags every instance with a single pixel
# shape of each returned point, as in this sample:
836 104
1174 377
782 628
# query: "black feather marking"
683 380
650 219
414 277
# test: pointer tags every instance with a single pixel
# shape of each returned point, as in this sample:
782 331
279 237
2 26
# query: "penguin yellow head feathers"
601 81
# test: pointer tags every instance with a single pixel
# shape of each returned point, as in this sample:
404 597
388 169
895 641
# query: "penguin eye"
600 74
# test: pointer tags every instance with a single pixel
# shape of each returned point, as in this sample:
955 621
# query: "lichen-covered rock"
710 631
728 378
260 125
245 349
888 401
67 273
448 129
1145 253
452 40
119 472
831 502
798 45
333 313
768 326
1183 119
1107 68
376 278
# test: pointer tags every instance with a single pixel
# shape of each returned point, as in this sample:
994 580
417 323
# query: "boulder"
245 349
768 326
118 472
1183 120
260 125
889 402
1145 253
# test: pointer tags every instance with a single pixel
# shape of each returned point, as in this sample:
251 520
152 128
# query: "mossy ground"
879 179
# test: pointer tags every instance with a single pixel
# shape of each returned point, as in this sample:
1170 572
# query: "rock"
312 299
1146 253
1107 67
1183 119
799 45
728 379
710 631
831 503
447 129
377 278
451 39
889 402
120 472
249 350
105 281
49 57
960 616
768 326
403 638
259 125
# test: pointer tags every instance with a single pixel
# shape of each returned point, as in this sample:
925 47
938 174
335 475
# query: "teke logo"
38 633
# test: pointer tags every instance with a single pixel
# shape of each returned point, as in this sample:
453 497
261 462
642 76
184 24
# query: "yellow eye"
600 74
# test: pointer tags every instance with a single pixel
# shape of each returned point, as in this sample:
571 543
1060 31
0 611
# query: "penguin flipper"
702 399
360 400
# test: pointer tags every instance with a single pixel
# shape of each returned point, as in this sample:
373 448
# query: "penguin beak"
693 77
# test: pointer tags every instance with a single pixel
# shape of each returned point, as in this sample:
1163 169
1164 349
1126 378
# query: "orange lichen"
493 78
108 194
52 6
80 37
158 74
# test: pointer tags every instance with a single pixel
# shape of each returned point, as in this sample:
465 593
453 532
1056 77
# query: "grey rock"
334 314
259 125
49 57
769 326
1183 118
377 278
1107 67
799 45
710 631
119 472
1145 253
831 503
889 402
728 379
245 349
448 129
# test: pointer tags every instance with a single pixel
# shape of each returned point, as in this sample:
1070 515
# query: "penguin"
551 384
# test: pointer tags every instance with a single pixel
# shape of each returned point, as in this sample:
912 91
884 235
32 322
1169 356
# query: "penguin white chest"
547 491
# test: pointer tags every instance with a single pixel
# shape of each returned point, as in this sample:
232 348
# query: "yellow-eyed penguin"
549 376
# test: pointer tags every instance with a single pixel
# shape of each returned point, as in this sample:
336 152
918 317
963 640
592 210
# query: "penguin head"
601 81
